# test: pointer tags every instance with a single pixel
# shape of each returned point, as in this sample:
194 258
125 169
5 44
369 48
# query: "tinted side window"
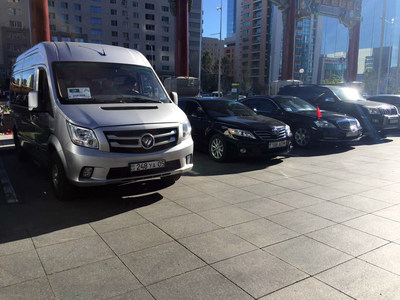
27 85
182 105
15 87
192 109
44 92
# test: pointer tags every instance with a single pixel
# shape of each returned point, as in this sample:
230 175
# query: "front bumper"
335 135
258 148
384 122
111 167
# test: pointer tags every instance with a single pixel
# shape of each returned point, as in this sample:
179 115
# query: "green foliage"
335 79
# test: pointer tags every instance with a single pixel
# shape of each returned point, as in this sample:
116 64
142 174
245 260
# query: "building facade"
147 26
14 35
253 45
214 46
231 18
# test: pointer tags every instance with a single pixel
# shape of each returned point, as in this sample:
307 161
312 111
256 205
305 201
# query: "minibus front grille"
129 141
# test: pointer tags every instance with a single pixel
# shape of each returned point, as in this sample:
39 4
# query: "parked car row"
373 116
267 125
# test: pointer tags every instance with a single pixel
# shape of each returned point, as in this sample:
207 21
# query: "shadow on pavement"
205 166
39 212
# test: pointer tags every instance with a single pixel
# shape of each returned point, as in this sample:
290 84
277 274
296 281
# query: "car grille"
272 135
388 111
347 124
124 172
129 141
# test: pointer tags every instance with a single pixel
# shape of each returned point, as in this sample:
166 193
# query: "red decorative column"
289 23
352 55
182 38
39 17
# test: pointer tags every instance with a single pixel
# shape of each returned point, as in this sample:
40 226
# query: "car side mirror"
174 97
33 100
198 113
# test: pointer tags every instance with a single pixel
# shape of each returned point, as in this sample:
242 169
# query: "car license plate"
352 133
147 165
393 121
278 144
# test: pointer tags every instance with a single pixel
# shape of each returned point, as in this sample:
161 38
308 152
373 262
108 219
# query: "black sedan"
227 127
304 121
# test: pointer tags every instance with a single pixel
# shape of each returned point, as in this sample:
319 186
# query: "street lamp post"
220 50
390 54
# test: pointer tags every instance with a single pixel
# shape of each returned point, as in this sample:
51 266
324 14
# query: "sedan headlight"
324 124
237 132
187 129
82 136
288 131
373 110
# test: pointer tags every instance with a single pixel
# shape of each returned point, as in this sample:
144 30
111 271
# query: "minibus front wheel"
63 189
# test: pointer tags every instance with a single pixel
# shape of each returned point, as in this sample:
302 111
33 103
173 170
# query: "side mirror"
33 100
174 97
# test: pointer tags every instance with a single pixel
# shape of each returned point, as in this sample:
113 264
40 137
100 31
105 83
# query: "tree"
369 80
208 77
334 79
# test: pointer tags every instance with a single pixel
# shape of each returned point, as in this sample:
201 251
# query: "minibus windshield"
94 82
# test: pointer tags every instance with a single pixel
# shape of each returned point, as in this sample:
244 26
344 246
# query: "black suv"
373 116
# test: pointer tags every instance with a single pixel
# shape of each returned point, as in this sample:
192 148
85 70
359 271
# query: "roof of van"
71 51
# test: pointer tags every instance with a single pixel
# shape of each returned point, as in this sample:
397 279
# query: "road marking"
8 190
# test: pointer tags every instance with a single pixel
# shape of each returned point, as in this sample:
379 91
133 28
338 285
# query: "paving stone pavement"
316 224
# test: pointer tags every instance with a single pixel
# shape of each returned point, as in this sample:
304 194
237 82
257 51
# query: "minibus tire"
63 189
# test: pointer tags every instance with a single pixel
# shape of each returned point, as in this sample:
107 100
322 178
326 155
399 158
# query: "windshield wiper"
137 99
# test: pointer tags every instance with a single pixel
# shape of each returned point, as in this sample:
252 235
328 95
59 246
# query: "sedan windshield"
87 82
225 108
347 94
294 104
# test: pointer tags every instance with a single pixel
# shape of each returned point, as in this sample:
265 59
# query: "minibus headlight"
82 136
187 129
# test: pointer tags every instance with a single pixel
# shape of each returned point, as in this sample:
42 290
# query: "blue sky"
212 17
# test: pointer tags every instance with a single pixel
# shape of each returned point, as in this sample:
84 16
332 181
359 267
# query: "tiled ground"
322 224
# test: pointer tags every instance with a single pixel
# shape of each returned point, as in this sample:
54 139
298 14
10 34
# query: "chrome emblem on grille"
147 141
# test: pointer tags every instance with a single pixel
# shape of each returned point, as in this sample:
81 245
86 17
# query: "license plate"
147 165
352 133
393 121
278 144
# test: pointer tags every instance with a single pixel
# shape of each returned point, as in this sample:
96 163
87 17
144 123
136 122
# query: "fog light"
87 172
243 150
189 159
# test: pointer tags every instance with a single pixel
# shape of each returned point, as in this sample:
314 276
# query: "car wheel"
63 189
217 148
21 153
302 137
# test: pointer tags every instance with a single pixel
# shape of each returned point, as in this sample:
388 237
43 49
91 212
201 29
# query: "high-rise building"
253 45
231 18
147 26
335 37
14 35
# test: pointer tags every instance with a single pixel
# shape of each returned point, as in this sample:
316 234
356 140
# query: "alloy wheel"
302 137
217 148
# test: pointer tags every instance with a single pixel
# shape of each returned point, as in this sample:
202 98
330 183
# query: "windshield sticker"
79 93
